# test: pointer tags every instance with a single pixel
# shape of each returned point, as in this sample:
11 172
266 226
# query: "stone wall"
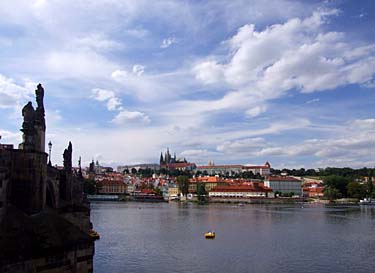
79 260
5 164
28 176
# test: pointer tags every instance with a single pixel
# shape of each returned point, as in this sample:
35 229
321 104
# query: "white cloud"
167 42
10 137
77 64
124 117
195 153
13 95
112 101
298 54
138 32
138 69
96 42
256 111
209 72
355 143
363 124
246 145
312 101
152 88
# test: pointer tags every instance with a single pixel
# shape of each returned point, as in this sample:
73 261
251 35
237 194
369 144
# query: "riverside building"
284 184
212 169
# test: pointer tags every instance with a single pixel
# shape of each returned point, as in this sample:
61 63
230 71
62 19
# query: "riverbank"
281 200
278 200
341 201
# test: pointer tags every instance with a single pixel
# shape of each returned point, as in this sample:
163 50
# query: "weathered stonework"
44 220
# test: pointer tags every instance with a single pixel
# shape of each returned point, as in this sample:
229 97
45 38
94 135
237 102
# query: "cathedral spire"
161 158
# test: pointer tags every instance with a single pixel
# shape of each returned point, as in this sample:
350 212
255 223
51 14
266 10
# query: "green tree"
183 184
89 186
337 182
356 190
158 191
370 185
332 193
201 192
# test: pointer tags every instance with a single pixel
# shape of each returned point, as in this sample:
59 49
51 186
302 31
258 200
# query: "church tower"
161 159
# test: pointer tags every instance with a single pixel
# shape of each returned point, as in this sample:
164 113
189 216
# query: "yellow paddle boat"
209 235
93 234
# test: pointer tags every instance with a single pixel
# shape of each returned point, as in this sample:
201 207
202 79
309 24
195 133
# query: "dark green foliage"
370 185
145 172
183 184
344 172
356 190
201 192
158 191
287 194
337 182
332 193
174 172
90 186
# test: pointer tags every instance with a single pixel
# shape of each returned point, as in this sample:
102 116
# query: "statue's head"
28 111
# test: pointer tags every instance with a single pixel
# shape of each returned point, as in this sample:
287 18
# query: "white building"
213 169
262 170
254 190
284 184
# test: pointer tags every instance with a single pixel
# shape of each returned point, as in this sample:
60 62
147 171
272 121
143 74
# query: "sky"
234 82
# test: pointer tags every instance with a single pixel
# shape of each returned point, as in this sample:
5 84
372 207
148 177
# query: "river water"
162 237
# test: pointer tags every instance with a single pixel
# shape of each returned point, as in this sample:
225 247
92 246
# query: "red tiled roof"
149 191
111 182
233 166
219 166
255 167
242 188
281 178
178 165
207 179
317 189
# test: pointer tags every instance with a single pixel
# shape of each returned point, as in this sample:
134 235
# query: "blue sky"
291 82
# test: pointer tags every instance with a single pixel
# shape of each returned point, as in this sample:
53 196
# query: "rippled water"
162 237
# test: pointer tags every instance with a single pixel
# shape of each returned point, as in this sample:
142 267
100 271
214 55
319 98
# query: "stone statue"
39 92
79 167
28 114
39 112
28 128
68 157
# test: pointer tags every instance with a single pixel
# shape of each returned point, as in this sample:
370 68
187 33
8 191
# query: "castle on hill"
168 159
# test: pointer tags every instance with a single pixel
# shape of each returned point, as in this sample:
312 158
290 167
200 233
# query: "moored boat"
367 201
93 234
209 235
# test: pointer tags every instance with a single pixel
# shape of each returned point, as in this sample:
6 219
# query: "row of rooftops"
243 167
203 179
253 187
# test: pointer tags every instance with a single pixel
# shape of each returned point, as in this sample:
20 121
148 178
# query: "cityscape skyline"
287 82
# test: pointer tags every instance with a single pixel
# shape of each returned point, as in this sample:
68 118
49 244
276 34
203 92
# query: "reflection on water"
145 237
